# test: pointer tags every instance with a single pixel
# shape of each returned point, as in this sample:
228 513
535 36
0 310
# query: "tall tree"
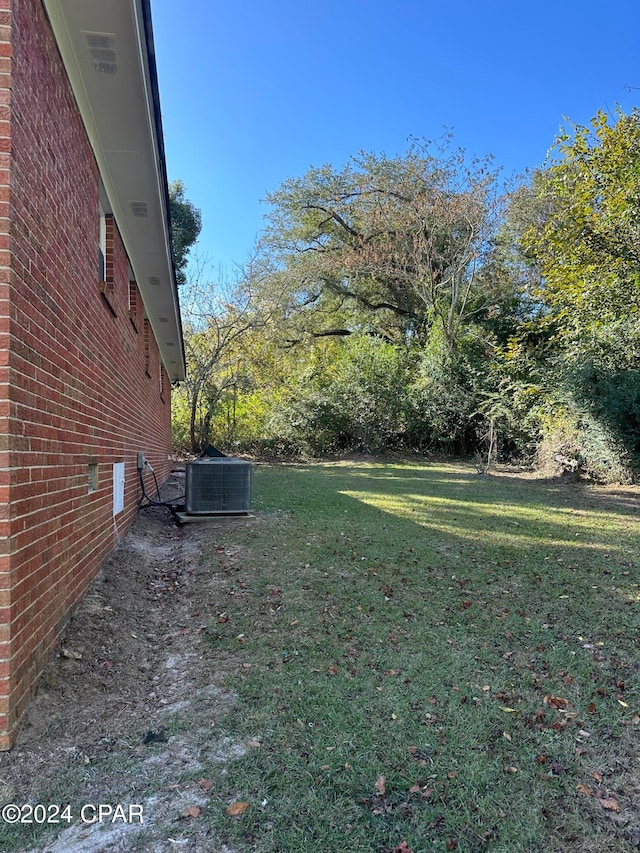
217 317
401 239
583 236
186 224
587 243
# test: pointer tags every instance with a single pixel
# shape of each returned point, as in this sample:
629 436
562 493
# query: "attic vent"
102 52
139 209
163 319
154 281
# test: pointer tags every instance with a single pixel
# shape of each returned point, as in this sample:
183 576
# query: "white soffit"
104 48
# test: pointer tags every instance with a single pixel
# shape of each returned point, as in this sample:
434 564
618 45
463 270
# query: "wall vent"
102 52
154 281
218 486
139 209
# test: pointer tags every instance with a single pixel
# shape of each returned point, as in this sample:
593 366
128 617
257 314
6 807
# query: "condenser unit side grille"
218 486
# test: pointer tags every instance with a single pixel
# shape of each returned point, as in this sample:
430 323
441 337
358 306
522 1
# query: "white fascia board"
122 128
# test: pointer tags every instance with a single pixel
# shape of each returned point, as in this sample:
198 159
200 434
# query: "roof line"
157 116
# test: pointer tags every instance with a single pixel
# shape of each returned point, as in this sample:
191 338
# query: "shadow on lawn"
459 605
457 505
487 597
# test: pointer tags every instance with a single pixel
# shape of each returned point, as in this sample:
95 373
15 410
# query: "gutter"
162 164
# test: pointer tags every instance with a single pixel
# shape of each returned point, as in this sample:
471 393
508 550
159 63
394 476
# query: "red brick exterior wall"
79 385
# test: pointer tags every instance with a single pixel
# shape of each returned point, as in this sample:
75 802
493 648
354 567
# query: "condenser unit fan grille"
218 486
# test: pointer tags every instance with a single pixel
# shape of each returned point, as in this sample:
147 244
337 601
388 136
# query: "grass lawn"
429 659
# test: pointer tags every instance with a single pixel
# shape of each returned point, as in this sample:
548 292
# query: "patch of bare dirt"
127 711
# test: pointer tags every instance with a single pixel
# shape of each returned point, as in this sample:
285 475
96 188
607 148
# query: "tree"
587 243
342 395
186 224
583 235
399 239
214 317
217 317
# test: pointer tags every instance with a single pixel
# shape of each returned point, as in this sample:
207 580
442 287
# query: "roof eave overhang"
119 103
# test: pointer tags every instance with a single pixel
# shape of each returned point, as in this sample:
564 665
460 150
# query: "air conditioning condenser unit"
218 486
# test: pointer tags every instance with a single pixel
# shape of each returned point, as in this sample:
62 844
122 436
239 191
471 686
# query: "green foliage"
186 224
240 418
350 396
587 245
578 442
575 230
396 302
180 419
399 239
441 400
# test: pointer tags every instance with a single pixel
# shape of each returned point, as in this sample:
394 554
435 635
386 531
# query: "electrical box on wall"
118 487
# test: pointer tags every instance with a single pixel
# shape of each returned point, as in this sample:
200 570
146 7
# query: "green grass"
473 640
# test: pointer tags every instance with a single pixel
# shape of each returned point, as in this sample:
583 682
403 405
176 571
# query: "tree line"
418 302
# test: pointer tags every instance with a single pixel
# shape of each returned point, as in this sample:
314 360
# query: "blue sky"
254 92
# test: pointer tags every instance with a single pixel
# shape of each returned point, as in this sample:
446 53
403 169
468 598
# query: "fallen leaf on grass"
403 847
452 843
191 811
206 784
609 803
635 719
254 744
582 789
597 777
555 701
381 786
508 710
237 809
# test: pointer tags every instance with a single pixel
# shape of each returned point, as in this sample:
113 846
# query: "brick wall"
79 385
